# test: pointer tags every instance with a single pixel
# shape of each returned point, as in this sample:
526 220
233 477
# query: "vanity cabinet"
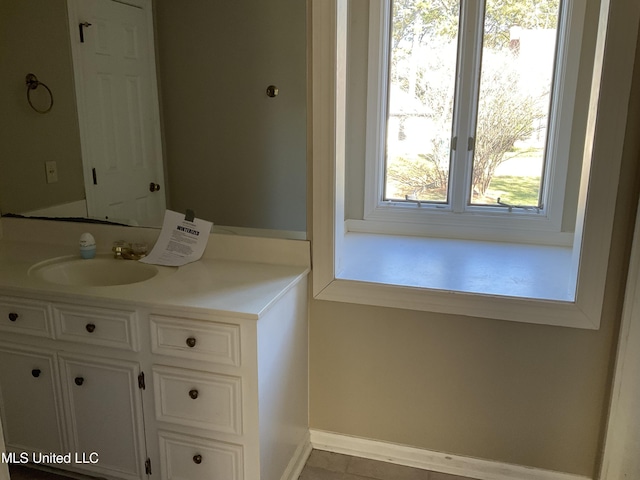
64 390
230 392
198 392
158 391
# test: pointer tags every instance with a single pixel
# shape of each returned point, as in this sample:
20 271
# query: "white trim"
563 107
481 232
297 462
541 312
77 208
378 51
603 145
259 232
429 460
623 432
76 55
327 156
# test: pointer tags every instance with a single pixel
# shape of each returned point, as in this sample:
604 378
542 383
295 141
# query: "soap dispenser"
87 246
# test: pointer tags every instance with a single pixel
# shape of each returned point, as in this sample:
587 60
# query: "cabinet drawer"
195 458
198 399
196 339
97 326
30 318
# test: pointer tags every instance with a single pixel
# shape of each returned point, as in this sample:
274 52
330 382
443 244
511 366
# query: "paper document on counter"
180 241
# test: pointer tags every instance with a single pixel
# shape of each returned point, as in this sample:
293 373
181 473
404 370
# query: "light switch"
52 171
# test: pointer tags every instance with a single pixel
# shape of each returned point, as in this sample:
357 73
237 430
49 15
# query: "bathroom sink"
101 271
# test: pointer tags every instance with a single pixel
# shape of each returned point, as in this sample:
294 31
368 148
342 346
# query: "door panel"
105 411
30 410
118 111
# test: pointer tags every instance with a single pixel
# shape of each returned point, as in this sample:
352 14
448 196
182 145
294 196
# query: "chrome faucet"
129 251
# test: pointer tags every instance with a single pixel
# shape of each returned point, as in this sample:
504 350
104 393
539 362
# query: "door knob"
154 187
79 381
13 316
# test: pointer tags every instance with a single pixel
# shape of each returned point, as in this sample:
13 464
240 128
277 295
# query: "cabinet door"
30 405
105 414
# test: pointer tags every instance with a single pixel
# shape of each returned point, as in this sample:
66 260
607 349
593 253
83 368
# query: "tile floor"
334 466
320 466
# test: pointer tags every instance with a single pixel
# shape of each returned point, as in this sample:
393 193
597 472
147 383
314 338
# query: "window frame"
460 220
603 150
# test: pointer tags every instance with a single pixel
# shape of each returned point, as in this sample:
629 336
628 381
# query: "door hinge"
82 26
95 176
141 383
454 143
471 144
147 466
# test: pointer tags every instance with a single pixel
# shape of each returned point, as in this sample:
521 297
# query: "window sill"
515 282
488 268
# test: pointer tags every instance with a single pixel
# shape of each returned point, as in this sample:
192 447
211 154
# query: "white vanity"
197 373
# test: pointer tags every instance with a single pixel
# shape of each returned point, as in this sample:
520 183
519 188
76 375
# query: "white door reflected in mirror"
114 68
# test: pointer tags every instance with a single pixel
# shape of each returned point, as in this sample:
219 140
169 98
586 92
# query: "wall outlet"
52 171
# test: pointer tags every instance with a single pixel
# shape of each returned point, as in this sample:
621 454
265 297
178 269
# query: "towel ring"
33 83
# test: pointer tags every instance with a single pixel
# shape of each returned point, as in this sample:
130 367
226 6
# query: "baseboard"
300 456
435 461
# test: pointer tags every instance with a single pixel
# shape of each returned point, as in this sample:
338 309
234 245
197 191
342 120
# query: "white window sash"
458 218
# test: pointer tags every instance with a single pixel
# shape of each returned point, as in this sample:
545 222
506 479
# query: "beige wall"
511 392
236 156
34 38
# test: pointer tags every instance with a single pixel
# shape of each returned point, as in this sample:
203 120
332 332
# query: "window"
470 113
614 35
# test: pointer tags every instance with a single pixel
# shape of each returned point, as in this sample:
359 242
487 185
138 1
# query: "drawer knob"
197 459
90 327
79 380
35 372
13 316
191 342
193 393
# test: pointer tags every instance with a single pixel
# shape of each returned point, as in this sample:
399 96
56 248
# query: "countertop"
212 285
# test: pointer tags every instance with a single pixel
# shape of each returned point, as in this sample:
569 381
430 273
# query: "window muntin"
442 144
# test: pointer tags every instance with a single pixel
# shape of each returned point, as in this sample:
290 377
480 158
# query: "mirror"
233 154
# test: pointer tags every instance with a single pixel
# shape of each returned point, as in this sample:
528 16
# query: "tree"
423 66
506 115
440 18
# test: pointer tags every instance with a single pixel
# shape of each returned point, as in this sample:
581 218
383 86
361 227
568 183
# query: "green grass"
514 190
